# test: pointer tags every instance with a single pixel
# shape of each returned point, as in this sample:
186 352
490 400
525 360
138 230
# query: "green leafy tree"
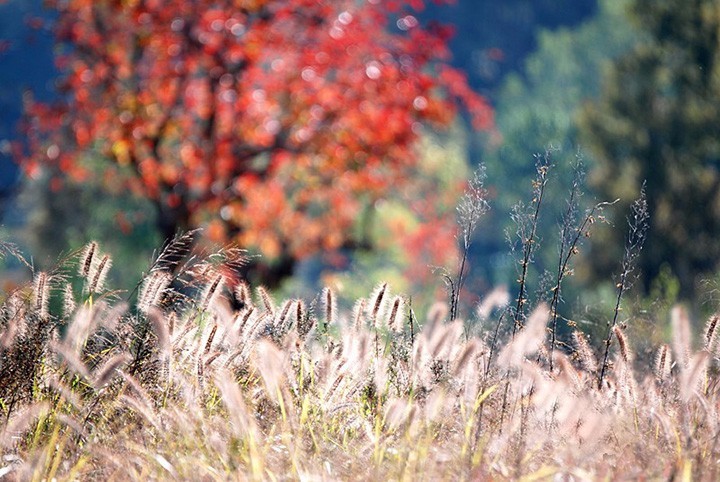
657 121
536 109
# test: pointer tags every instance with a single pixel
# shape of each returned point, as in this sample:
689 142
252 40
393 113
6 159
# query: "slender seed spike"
377 298
266 299
210 339
98 274
245 318
279 324
171 323
159 324
152 291
662 362
109 369
330 305
710 332
299 313
395 318
242 294
210 292
437 313
471 348
358 310
86 258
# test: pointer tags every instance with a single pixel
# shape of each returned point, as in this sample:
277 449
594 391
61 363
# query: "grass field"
200 379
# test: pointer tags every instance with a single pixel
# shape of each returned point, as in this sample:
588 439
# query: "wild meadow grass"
198 376
195 375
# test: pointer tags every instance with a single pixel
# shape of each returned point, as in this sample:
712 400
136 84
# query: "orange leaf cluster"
268 120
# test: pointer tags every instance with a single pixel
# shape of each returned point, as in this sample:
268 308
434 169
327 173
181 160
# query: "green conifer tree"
658 120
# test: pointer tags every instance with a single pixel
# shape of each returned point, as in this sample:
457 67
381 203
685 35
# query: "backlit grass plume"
187 383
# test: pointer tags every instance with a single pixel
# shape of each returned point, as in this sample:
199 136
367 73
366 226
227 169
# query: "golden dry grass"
182 384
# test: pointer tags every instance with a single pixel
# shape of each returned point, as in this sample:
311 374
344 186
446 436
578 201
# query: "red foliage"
271 121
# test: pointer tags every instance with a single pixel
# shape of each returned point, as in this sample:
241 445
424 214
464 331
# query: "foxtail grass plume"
358 314
329 306
681 334
41 294
69 304
625 353
395 319
437 313
528 340
212 291
497 298
376 302
282 319
152 290
266 300
662 362
584 352
242 294
109 369
692 376
97 273
711 332
87 258
299 314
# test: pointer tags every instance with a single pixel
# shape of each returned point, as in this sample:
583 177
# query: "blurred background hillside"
628 86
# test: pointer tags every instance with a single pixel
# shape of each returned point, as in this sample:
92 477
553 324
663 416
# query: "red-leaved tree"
269 122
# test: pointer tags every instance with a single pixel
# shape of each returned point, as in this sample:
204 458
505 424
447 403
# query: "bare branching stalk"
471 208
637 232
527 225
572 234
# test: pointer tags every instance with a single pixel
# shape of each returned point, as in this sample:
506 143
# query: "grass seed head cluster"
185 384
195 375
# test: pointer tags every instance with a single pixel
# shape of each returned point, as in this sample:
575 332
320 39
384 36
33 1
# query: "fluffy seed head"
625 352
153 289
266 299
211 292
329 305
41 294
242 294
69 304
395 321
377 299
585 353
97 274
